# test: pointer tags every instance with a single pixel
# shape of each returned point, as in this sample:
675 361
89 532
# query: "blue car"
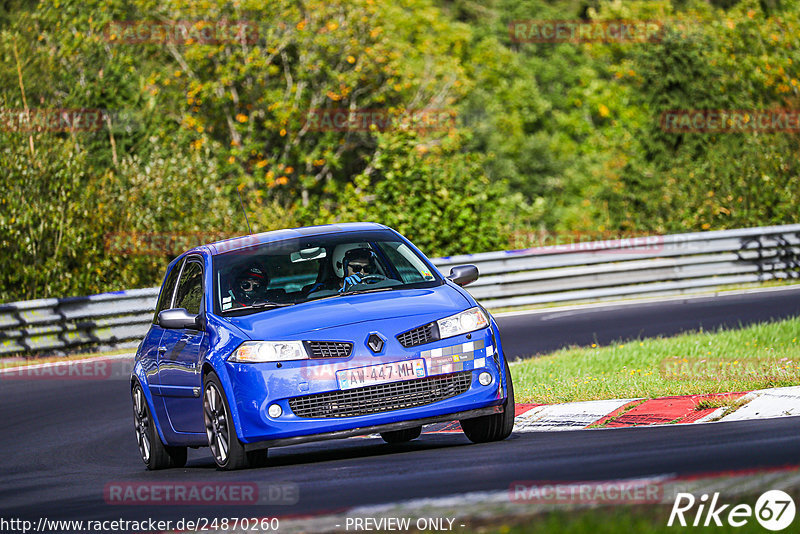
312 334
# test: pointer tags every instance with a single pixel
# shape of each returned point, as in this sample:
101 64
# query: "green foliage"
70 229
558 137
577 125
43 244
436 194
677 181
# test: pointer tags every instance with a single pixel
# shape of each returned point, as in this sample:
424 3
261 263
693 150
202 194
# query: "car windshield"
294 271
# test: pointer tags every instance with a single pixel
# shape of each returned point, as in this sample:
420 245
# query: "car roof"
237 243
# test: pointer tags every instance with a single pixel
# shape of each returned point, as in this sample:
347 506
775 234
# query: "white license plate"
381 373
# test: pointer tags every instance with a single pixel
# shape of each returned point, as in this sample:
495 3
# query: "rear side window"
165 298
190 288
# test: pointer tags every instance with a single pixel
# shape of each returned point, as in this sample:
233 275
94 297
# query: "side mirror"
179 318
463 274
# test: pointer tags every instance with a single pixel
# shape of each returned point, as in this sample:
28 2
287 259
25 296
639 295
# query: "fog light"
485 379
275 411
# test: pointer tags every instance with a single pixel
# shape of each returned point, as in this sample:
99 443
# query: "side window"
165 298
190 288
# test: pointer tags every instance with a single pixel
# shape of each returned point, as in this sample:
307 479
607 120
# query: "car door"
181 354
148 353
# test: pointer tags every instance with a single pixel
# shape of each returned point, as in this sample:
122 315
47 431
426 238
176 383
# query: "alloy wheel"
216 420
141 422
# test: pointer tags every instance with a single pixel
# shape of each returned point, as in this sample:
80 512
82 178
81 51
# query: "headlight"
268 351
461 323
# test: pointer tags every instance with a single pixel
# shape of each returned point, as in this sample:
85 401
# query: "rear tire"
495 427
152 450
401 436
227 450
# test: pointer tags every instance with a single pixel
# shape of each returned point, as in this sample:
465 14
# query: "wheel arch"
501 357
221 373
138 376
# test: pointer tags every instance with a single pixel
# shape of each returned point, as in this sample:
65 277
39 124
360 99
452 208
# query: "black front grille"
382 397
329 349
419 336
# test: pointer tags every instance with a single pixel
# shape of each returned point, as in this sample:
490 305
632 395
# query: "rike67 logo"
774 510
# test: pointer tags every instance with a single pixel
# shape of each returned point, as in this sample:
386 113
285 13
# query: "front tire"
401 436
152 450
495 427
227 450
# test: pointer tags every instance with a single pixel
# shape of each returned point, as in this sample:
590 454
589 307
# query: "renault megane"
310 334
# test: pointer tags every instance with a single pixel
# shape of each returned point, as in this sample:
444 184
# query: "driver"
249 285
358 264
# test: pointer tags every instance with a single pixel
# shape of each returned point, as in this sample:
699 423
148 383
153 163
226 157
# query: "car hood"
331 312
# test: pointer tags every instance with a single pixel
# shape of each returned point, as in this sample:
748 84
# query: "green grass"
643 519
760 356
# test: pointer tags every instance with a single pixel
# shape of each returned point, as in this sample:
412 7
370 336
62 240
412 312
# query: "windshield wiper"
264 305
360 291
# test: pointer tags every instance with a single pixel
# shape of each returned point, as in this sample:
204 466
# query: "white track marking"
567 416
713 415
768 403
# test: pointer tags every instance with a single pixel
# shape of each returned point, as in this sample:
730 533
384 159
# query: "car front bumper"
256 387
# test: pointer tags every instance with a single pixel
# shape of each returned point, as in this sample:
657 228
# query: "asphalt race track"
64 442
527 335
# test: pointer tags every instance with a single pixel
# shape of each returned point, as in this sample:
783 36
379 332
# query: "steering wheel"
372 279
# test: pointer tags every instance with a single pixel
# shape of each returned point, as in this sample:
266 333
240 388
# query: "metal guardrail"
118 319
598 270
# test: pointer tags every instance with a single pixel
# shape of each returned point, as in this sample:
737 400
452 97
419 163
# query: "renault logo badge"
375 343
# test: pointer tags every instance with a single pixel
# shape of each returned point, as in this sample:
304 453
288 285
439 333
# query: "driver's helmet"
360 260
337 258
250 284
